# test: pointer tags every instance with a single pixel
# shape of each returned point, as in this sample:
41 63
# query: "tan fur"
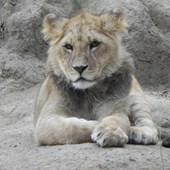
104 102
135 88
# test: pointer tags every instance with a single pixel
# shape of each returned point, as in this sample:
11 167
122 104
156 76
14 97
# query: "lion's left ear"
114 21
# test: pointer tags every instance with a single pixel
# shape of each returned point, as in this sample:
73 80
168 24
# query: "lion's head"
86 48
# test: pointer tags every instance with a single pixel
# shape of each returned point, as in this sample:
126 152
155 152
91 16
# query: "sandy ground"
18 150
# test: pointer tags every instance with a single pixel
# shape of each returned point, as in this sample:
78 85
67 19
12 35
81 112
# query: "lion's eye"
68 46
94 44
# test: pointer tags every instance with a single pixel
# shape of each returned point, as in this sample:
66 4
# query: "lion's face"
85 49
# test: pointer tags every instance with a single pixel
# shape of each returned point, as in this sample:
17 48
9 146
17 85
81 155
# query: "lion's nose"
80 69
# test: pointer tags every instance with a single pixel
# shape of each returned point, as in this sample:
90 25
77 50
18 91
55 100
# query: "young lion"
90 93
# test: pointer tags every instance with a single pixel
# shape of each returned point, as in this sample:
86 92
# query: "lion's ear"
52 26
114 21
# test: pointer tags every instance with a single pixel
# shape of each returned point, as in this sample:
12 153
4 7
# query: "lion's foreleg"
143 130
112 131
54 129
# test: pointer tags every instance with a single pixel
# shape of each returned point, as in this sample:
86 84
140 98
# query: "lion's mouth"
82 79
83 83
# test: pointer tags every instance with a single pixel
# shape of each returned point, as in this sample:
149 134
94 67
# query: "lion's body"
104 102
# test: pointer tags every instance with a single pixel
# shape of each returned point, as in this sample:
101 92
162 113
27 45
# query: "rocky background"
22 69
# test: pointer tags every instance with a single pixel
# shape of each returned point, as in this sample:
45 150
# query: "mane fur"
115 87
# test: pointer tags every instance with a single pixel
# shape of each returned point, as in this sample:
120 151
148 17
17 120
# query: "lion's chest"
100 101
80 106
95 110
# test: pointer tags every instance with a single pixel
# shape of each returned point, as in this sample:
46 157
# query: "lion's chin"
82 84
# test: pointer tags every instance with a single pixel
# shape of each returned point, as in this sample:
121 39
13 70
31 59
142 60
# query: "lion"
90 93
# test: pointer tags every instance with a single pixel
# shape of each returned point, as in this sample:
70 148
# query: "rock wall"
23 51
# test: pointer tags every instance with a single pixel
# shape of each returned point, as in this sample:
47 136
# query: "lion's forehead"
79 30
83 35
83 24
85 18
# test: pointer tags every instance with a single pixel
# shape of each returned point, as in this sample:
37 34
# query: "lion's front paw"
143 135
108 137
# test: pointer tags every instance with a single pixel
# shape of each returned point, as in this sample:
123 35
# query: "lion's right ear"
52 26
114 21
